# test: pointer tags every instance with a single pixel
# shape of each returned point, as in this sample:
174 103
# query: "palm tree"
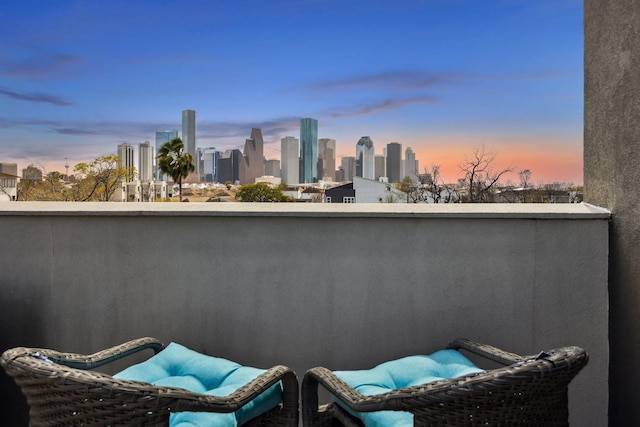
175 162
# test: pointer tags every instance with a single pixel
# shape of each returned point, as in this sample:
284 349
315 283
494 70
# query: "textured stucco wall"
612 178
330 287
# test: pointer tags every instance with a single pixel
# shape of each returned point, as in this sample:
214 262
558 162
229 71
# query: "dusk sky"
443 77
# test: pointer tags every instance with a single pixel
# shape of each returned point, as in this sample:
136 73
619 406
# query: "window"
348 199
328 199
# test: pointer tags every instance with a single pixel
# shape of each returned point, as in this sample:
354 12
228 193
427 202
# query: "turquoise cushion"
178 366
400 373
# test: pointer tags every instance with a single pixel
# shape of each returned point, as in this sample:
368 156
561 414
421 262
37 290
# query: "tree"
99 179
525 186
427 187
413 191
31 176
480 178
175 162
261 192
51 188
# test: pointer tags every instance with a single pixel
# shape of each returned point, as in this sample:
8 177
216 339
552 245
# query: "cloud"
37 64
404 80
270 128
74 131
34 97
6 123
377 107
395 80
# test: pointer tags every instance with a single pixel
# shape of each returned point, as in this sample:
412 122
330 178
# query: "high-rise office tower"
125 153
380 166
290 160
394 161
229 165
252 164
162 136
209 164
348 164
145 161
308 150
410 164
327 158
189 131
272 167
365 164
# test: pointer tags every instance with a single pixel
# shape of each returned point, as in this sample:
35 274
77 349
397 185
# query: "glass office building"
308 150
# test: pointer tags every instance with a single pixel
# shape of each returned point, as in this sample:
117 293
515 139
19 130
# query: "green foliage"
99 179
51 187
175 162
406 185
261 192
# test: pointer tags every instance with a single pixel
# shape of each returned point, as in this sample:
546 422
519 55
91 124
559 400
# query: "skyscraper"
209 164
394 161
272 168
125 153
380 166
252 164
348 164
308 150
162 136
189 132
290 160
410 164
228 166
365 158
145 161
327 158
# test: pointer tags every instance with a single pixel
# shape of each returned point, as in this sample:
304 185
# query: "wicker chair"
528 390
67 392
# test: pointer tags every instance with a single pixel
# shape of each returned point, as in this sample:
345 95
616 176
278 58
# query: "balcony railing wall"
305 285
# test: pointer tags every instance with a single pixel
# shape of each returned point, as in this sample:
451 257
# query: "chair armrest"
103 357
188 401
351 397
487 351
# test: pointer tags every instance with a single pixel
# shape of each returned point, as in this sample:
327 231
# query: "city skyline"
441 77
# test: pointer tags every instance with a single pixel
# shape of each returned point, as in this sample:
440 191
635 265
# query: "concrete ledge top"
373 210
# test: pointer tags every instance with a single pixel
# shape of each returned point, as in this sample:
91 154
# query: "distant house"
363 190
370 191
8 187
340 194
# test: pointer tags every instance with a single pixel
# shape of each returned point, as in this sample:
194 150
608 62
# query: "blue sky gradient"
441 76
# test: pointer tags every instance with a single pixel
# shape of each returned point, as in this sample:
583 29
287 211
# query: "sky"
444 77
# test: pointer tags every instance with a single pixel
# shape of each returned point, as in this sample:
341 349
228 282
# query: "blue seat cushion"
406 372
178 366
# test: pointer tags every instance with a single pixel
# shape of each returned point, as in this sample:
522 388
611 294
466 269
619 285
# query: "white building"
8 187
269 179
371 191
145 161
125 154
